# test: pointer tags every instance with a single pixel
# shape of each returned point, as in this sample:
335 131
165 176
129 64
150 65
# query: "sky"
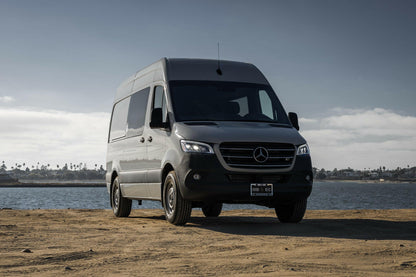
348 68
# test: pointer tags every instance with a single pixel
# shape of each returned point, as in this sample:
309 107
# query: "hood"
228 131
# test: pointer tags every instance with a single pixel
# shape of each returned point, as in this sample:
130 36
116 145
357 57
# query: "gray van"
200 133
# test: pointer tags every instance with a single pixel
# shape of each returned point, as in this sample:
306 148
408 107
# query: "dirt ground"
238 243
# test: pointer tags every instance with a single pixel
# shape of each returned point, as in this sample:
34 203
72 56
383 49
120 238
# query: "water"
325 196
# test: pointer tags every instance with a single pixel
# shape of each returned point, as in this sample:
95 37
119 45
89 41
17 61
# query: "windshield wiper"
281 125
199 122
259 120
272 123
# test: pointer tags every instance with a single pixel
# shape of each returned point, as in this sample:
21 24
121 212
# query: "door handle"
142 139
149 139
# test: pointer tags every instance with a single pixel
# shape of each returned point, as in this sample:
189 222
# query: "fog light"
308 178
197 177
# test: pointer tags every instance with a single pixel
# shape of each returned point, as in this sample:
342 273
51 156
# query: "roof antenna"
219 71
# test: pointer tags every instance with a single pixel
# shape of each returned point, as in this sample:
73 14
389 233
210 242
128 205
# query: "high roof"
203 69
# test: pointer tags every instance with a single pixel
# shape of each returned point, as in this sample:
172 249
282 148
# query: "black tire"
212 210
292 212
121 206
177 210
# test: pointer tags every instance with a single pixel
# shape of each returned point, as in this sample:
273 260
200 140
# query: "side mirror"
293 117
156 119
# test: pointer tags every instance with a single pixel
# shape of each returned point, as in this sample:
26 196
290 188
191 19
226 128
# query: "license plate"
261 189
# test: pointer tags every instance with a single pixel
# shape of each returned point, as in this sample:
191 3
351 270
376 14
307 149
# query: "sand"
238 243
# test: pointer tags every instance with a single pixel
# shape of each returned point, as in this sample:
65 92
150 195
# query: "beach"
238 243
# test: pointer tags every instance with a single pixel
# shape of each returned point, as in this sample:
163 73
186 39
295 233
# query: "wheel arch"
113 176
166 169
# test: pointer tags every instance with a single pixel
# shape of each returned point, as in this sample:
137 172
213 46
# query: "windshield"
225 101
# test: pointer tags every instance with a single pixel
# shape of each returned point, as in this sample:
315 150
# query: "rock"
286 248
68 268
401 245
27 250
91 250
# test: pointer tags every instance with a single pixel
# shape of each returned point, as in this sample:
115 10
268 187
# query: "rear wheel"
177 210
292 212
121 206
212 210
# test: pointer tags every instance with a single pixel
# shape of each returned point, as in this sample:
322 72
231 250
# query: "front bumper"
220 185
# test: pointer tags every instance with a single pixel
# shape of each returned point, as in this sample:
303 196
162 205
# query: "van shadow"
155 217
364 229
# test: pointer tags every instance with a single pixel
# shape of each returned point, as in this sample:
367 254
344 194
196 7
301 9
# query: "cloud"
55 137
362 139
303 120
6 99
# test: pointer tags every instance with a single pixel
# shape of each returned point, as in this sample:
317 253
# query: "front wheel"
177 210
292 212
121 206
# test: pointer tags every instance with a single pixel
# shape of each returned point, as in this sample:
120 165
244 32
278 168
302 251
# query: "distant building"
387 174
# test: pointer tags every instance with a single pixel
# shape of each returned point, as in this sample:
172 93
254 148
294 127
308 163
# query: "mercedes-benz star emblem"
260 154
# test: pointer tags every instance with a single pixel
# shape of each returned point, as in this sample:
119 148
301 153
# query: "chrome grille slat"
256 165
280 149
240 155
242 149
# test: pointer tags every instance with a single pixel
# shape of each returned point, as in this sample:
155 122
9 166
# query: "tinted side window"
159 101
137 112
119 119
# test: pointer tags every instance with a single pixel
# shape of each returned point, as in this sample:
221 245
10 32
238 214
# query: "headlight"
196 147
303 150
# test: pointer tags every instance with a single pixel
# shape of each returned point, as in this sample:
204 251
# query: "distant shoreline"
99 183
366 181
53 184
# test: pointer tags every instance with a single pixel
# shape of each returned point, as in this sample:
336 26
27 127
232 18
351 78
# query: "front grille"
241 155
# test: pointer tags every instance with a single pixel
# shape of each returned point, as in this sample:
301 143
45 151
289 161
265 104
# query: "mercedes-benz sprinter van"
200 133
